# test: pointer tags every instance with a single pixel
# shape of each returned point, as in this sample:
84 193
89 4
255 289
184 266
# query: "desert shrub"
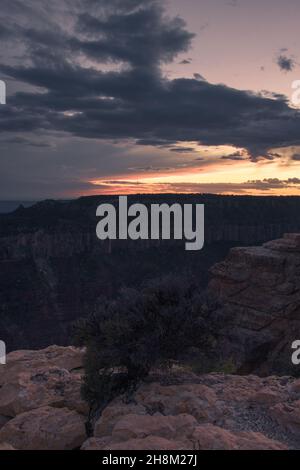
139 330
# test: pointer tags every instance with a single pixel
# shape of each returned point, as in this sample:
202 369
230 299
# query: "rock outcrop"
40 402
256 293
170 411
45 428
214 411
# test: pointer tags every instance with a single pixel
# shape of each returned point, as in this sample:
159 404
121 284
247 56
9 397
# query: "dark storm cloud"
141 38
154 142
236 156
185 62
274 155
23 141
73 94
182 150
198 76
285 63
150 168
273 183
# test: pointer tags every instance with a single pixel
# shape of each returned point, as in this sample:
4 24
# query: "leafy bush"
127 337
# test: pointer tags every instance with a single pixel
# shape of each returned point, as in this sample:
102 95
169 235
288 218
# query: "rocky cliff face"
257 295
53 268
41 408
53 229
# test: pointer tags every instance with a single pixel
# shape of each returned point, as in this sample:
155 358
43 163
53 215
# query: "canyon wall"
255 294
53 269
61 230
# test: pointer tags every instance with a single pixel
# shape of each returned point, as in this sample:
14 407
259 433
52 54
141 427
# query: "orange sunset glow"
219 173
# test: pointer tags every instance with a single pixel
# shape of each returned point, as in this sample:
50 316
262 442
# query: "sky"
149 96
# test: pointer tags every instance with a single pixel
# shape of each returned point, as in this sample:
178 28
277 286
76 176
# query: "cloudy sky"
126 96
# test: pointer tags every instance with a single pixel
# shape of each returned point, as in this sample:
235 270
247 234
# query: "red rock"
5 446
41 387
209 437
149 443
287 416
112 414
138 427
95 443
195 399
257 293
45 428
3 420
68 358
267 397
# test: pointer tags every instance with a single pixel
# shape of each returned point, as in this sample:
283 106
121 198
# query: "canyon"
254 294
53 268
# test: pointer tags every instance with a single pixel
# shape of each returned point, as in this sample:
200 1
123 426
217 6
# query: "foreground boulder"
45 428
40 400
45 386
68 358
32 379
255 297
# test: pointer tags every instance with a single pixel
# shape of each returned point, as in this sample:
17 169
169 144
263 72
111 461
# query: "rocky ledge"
256 298
41 408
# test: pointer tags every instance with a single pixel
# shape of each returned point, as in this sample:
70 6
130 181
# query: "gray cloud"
198 76
273 183
127 97
285 63
182 149
236 156
185 62
17 140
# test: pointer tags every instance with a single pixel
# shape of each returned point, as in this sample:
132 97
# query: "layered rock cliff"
53 268
256 292
65 229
